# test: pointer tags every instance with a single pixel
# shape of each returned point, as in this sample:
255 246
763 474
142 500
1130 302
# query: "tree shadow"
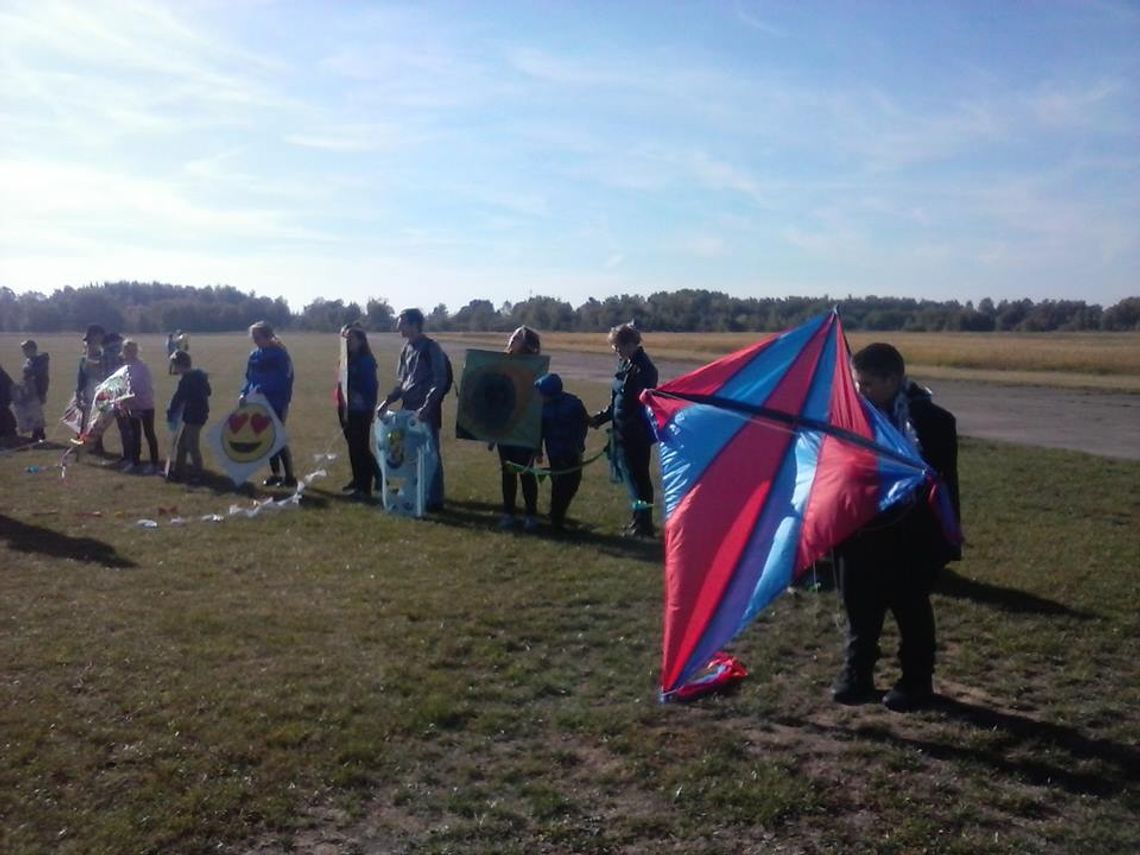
484 516
22 537
1089 766
1011 600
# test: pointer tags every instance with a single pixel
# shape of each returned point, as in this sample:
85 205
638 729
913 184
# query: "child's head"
549 385
524 340
878 369
29 347
130 349
625 339
180 362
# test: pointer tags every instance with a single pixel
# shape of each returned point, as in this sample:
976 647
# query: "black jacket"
193 397
633 376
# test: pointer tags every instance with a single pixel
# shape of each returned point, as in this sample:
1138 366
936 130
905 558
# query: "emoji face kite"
248 433
246 438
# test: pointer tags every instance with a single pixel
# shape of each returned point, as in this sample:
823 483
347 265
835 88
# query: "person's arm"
177 400
397 390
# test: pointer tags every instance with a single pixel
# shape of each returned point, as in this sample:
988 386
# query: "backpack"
447 367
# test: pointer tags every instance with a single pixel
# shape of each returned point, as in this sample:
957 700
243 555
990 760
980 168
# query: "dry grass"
1107 361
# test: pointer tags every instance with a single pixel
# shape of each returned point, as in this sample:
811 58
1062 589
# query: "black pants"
563 487
633 462
138 423
358 433
511 478
877 577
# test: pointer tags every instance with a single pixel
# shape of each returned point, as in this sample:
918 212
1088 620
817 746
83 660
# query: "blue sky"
442 152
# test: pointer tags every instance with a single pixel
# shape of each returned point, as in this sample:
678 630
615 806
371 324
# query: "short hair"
180 359
411 316
130 342
262 328
624 334
28 344
880 360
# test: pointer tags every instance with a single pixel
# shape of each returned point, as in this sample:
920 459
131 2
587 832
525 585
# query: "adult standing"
7 420
269 371
633 437
421 383
91 372
139 410
522 342
359 407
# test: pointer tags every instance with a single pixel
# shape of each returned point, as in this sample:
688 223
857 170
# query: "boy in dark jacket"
36 381
191 404
891 563
564 423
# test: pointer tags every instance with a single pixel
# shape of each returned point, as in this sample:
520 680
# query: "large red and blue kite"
769 458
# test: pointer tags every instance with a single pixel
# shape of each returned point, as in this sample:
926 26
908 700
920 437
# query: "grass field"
331 679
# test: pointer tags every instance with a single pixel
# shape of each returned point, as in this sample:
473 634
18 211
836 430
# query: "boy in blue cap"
564 423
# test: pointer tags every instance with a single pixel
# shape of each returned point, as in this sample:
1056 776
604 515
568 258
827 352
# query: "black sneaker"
272 481
289 482
350 487
908 696
852 689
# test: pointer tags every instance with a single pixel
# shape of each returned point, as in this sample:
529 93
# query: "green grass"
334 675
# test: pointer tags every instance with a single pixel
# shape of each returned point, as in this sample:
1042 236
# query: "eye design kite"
248 433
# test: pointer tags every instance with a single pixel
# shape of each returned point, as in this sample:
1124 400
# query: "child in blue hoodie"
564 423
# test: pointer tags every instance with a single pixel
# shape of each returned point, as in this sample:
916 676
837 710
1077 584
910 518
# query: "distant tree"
380 316
1125 315
478 316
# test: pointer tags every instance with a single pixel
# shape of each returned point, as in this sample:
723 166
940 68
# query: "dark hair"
880 360
624 334
357 332
411 316
180 359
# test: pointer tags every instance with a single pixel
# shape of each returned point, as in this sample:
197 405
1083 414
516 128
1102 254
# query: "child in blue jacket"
564 423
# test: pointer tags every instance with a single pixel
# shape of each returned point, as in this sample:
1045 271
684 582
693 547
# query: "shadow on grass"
484 516
1011 600
45 541
1026 749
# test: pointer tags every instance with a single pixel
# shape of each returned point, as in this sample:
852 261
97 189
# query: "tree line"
154 307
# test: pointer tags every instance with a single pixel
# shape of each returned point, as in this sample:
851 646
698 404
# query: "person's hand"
595 421
382 409
538 459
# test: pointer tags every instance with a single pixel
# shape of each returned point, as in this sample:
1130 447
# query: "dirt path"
1107 425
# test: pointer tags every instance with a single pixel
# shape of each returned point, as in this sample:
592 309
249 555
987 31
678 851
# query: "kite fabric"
246 438
769 459
407 457
497 399
115 390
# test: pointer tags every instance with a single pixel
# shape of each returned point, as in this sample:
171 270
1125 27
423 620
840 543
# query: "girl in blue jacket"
359 406
270 372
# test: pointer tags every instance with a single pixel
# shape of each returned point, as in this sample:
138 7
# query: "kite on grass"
247 437
769 459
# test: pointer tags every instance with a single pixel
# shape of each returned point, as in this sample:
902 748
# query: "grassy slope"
335 675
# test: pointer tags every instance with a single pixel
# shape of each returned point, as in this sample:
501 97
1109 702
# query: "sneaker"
350 487
851 688
289 482
148 469
908 696
507 521
272 481
530 524
127 467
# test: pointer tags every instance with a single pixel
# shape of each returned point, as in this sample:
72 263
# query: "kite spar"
769 459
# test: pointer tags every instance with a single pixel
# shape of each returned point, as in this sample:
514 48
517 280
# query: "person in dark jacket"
359 405
523 341
190 406
564 425
891 563
269 371
421 383
36 381
7 420
633 436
